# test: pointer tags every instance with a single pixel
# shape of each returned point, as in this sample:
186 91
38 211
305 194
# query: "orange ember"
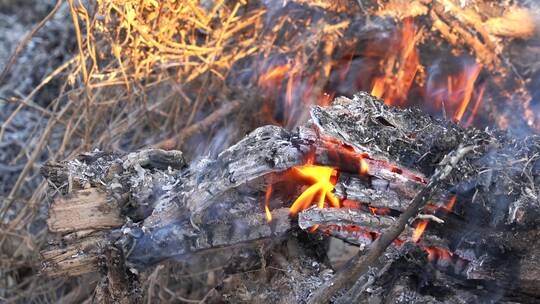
451 203
436 253
321 183
420 228
379 211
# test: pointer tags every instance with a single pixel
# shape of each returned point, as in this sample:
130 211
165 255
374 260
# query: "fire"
456 93
400 66
322 180
378 88
467 80
422 225
476 107
419 230
275 74
267 203
353 233
364 167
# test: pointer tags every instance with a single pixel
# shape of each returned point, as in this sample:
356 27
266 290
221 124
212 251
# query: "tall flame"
399 67
468 79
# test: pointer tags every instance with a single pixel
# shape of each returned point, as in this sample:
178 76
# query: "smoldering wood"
342 216
327 218
178 205
360 264
377 193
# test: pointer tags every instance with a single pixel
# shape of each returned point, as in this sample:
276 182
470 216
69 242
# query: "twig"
430 217
205 124
360 264
24 42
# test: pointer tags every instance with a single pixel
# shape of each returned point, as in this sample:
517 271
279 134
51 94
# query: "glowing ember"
322 184
436 253
420 228
379 211
356 234
451 203
267 202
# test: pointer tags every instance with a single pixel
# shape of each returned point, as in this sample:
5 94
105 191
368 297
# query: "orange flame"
468 79
267 202
273 75
378 88
320 178
400 67
476 106
420 228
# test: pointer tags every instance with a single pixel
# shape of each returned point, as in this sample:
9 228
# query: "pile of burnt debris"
364 203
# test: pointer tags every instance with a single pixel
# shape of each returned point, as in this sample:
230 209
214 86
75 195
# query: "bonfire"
274 152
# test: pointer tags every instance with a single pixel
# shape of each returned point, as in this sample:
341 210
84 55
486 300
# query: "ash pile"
364 203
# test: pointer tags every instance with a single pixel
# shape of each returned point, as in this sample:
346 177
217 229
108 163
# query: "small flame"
378 88
420 228
320 178
364 167
267 203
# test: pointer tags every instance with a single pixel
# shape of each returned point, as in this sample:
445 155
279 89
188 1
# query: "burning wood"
349 173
